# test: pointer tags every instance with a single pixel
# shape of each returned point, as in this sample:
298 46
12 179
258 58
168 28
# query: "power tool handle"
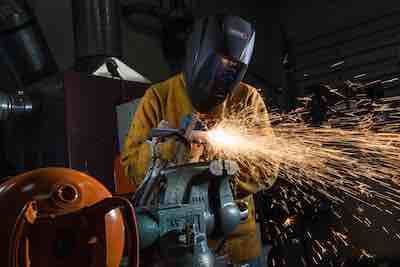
163 132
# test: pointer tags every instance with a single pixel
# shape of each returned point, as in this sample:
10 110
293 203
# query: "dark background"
364 36
316 34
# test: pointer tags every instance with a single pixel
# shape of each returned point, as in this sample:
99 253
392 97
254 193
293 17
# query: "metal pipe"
97 29
23 48
15 106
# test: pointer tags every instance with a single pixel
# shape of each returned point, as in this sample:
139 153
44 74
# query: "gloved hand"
157 136
196 151
164 146
172 150
196 135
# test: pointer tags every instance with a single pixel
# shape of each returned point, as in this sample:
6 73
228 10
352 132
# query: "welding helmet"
218 53
61 217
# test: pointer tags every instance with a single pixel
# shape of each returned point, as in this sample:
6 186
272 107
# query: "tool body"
180 207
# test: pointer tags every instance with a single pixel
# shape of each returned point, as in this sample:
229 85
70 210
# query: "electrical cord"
112 68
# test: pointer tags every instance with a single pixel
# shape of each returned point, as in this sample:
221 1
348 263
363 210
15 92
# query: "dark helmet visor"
224 74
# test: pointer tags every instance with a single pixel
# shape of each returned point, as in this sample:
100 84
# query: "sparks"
349 161
364 253
354 156
289 221
341 237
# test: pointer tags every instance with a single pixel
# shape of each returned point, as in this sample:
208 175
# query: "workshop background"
298 44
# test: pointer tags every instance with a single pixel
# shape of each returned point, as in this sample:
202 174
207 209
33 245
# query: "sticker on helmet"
239 34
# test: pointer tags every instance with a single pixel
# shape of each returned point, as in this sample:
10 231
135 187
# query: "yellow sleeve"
257 179
136 153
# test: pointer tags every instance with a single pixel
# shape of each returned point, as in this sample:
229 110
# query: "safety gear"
217 55
169 101
61 217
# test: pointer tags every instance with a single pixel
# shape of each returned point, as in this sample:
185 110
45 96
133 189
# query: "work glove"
165 148
195 135
174 150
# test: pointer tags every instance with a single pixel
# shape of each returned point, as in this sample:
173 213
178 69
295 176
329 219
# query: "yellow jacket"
168 101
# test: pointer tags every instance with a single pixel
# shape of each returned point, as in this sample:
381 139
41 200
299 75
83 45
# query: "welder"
218 53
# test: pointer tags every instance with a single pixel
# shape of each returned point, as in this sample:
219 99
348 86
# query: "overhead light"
125 71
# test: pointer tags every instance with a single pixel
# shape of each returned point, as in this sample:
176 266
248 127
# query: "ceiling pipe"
97 31
23 49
